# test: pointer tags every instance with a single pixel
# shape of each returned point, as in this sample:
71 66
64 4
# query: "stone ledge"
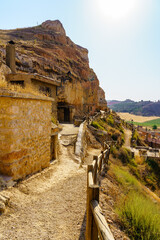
11 94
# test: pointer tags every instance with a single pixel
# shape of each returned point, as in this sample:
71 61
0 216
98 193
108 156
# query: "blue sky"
122 36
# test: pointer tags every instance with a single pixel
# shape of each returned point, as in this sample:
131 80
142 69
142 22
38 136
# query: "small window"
19 83
45 90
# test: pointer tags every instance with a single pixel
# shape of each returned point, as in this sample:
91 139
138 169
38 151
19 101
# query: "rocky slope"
45 49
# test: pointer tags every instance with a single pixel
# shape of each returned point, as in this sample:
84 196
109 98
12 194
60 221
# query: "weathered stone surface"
4 199
46 50
54 25
25 132
2 207
4 69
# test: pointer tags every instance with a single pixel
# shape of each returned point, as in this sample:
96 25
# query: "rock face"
56 26
46 50
4 70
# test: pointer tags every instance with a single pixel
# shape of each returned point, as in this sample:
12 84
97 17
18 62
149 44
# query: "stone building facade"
48 86
25 133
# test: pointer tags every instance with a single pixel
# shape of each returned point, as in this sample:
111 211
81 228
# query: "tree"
154 127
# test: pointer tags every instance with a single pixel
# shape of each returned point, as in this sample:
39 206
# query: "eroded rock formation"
45 49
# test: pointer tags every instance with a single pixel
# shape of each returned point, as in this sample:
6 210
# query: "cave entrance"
64 113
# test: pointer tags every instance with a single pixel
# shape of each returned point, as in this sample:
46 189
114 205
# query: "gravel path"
48 205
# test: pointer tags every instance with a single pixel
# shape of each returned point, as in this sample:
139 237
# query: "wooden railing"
96 225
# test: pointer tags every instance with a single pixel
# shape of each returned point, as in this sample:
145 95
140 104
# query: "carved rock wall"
46 50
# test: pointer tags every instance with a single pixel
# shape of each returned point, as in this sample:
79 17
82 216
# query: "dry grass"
3 83
139 160
128 117
140 216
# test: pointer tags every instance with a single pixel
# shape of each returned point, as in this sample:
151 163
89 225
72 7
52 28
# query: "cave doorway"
64 113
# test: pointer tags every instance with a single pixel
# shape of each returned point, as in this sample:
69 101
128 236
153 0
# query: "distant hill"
143 108
112 102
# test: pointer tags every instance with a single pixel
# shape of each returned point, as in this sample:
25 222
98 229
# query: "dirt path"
128 135
49 205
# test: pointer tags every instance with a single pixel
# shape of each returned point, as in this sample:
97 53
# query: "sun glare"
116 9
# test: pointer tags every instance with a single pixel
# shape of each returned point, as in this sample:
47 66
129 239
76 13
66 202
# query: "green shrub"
134 170
110 121
96 125
153 174
114 151
154 127
125 155
115 136
140 217
122 140
121 129
136 139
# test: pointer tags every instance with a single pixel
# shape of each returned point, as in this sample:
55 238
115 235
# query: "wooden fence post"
108 154
92 194
101 161
103 228
95 166
94 222
89 215
94 225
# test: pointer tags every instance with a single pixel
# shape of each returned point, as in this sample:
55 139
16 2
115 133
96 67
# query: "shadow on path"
83 228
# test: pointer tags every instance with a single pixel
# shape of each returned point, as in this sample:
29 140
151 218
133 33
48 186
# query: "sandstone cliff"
45 49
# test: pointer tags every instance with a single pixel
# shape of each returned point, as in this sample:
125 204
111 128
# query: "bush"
121 129
137 139
114 151
140 217
153 174
122 140
134 170
154 127
114 137
110 121
97 125
125 155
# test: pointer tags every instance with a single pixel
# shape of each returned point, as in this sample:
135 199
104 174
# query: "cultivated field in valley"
140 119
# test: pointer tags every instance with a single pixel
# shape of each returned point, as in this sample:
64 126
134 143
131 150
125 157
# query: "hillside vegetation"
144 108
125 186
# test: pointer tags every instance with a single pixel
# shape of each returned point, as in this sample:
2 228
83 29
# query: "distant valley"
143 108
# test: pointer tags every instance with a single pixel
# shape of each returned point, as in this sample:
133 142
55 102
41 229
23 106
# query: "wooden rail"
96 225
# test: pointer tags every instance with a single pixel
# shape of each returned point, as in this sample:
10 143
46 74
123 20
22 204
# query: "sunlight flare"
116 9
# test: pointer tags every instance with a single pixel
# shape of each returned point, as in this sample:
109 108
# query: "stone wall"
25 134
52 93
81 144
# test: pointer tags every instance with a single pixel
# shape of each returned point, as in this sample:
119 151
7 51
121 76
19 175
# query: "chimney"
10 56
